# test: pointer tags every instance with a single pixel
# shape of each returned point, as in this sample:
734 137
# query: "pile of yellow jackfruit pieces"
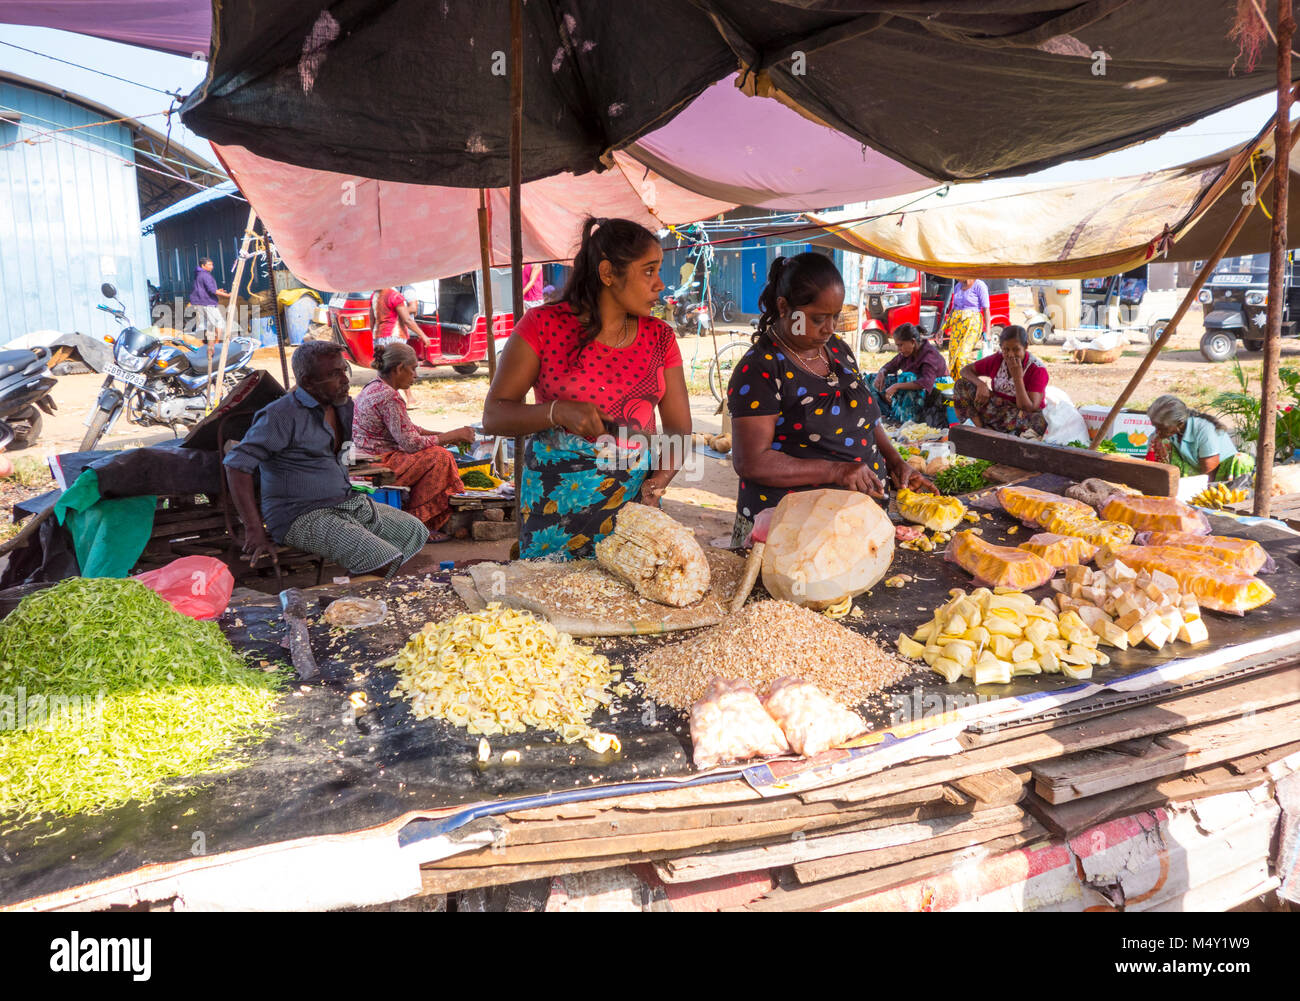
993 636
501 671
1219 495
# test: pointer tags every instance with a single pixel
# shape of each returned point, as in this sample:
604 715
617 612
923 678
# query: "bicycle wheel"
720 368
728 310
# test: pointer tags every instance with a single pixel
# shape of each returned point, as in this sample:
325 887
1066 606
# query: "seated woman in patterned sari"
1012 400
598 365
418 456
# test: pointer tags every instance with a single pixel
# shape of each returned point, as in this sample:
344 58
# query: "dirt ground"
703 495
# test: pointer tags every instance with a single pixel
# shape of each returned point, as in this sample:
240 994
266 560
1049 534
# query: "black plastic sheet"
327 769
957 89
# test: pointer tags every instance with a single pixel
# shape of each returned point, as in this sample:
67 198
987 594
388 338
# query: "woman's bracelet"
552 413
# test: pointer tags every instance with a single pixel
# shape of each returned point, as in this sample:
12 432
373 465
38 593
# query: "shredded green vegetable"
476 478
106 692
962 477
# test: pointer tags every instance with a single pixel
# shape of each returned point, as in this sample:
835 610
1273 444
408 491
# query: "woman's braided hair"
798 280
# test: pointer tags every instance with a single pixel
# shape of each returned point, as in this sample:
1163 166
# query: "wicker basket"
847 321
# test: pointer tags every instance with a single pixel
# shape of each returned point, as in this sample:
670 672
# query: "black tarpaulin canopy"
419 92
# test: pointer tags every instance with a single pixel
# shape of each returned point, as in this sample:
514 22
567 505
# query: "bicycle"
722 365
725 306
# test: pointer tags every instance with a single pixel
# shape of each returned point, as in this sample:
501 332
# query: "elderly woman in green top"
1195 442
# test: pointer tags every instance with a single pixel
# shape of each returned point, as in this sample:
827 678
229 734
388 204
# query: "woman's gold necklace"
624 339
622 343
820 355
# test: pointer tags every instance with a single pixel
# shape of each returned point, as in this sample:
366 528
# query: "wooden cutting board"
581 599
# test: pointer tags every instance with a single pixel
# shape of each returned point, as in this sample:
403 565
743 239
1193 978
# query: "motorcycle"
25 384
689 314
164 383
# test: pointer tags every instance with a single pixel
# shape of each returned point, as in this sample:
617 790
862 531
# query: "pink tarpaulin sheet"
340 232
183 27
344 232
756 151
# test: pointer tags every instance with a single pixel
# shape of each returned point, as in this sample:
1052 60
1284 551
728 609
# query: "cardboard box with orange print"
1132 433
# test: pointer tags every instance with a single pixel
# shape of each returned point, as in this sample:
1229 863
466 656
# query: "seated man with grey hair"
296 444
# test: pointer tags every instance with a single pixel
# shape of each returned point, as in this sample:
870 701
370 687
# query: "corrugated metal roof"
168 171
223 190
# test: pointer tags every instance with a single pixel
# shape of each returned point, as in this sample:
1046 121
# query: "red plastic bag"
197 586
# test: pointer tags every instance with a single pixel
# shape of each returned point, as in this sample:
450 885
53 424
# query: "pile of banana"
1219 495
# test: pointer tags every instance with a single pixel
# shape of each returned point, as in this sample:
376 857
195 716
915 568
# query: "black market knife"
294 605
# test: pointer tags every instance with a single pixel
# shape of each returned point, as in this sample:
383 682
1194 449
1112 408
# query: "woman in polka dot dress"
803 417
598 365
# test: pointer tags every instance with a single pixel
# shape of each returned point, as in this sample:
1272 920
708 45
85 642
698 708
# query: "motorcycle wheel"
96 430
26 425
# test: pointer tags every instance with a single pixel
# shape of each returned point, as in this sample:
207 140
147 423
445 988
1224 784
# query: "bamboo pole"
1190 298
1276 266
516 209
215 388
485 255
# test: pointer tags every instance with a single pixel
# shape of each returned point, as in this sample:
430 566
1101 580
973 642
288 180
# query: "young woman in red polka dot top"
802 415
597 363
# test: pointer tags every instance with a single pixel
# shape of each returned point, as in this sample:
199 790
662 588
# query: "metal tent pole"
1264 452
485 254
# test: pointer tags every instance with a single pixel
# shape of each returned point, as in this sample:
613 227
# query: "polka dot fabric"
814 420
627 383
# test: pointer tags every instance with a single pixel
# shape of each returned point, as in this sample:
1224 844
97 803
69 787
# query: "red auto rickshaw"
896 294
448 310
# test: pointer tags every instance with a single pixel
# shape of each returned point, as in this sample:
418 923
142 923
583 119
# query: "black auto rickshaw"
1235 302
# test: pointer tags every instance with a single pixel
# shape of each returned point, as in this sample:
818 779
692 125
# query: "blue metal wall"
214 229
69 218
740 267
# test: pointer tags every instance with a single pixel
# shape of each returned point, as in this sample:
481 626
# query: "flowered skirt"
433 477
996 413
571 490
906 406
963 328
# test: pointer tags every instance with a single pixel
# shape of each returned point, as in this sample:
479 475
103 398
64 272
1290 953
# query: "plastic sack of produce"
1215 585
730 724
1246 555
197 586
998 566
762 524
1064 422
1155 514
811 720
1028 505
1060 550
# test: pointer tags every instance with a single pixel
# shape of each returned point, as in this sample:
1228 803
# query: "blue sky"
168 72
156 69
